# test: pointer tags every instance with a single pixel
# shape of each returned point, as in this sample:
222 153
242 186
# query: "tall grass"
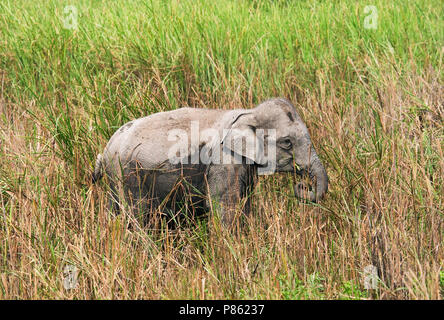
372 100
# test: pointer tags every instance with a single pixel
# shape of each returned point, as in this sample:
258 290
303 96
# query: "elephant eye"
285 143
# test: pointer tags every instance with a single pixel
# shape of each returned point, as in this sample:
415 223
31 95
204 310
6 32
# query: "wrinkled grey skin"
137 163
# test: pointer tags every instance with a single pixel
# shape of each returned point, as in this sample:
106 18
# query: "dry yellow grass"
383 208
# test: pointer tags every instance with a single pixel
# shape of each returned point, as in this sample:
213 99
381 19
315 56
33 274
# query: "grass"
371 98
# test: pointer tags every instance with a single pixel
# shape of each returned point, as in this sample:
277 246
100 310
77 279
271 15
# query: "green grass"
372 100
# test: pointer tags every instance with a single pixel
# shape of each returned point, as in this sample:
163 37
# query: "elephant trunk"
317 173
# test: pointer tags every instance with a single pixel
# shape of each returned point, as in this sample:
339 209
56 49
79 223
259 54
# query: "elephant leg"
136 199
113 200
227 186
136 191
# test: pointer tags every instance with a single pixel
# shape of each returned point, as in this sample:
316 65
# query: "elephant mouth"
304 191
312 191
300 172
315 190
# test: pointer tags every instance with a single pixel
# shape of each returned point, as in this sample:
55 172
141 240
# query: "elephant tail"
98 170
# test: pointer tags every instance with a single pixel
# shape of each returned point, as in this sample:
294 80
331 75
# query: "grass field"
372 98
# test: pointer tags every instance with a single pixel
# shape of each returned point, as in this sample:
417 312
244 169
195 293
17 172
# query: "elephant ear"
242 138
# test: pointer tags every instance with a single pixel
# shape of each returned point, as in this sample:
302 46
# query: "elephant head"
275 125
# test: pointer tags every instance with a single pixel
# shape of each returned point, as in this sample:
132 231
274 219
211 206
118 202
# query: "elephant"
198 156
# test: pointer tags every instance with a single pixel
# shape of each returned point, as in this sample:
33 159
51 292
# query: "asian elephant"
195 156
